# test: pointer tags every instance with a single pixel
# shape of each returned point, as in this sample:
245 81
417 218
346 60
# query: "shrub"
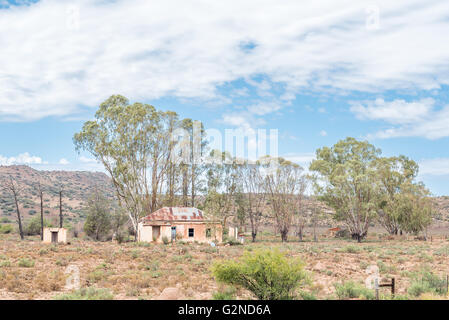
5 263
98 220
351 290
307 295
233 242
96 276
6 229
26 263
33 227
351 249
343 234
225 294
165 240
427 283
268 274
120 237
90 293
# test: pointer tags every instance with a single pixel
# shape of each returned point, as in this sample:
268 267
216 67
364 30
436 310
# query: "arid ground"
32 270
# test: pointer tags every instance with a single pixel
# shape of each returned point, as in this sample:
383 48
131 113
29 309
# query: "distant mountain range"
76 187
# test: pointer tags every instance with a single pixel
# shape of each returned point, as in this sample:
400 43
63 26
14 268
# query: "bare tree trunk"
41 195
19 218
185 186
60 210
11 187
300 234
253 230
193 187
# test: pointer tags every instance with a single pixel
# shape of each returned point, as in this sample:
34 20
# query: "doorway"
173 234
54 236
156 232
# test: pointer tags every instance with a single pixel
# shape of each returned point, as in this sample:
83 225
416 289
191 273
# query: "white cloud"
64 161
23 158
87 160
59 57
419 118
396 112
264 108
434 167
323 133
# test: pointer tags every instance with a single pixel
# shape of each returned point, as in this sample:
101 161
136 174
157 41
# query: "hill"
76 187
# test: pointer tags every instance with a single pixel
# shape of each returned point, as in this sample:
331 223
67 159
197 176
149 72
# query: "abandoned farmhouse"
179 223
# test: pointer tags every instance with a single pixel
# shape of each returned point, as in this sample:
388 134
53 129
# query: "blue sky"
318 72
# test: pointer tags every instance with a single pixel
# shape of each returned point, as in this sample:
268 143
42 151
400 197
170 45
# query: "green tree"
195 147
345 179
98 220
253 196
137 145
268 274
241 205
118 222
222 186
284 186
416 208
33 227
133 142
395 178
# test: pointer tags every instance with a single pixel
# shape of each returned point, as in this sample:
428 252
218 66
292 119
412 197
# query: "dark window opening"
208 233
191 232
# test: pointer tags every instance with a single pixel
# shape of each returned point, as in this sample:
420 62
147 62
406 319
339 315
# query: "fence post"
392 287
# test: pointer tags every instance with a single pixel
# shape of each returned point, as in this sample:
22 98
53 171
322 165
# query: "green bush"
6 229
165 240
307 295
427 282
33 227
268 274
226 294
343 234
5 263
90 293
26 263
233 242
351 290
351 249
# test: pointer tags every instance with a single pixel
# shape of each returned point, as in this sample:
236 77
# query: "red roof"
175 213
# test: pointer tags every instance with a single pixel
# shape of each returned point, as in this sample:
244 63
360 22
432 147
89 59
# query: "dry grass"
32 270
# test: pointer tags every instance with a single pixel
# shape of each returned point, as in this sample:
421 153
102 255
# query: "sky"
317 71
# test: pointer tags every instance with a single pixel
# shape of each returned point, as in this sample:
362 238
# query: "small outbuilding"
55 235
179 223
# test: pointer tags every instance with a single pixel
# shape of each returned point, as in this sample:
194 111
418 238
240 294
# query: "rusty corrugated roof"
175 213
